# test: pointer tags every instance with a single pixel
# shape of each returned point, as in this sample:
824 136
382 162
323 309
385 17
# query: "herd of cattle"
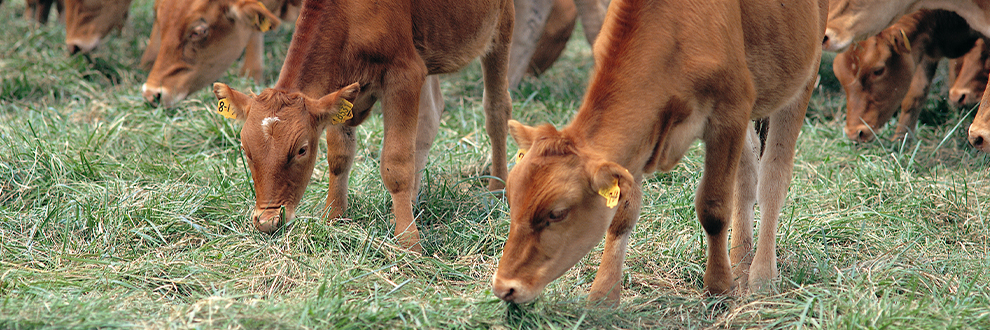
735 74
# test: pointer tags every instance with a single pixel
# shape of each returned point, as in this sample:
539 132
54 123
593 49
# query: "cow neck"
616 119
313 64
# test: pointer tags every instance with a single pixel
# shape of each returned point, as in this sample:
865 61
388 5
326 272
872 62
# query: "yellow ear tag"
343 114
261 21
223 108
907 42
520 155
611 194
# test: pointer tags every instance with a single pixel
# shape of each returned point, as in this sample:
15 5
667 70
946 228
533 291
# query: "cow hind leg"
430 107
741 245
776 166
497 103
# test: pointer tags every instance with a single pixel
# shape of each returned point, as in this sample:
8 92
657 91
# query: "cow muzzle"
963 97
268 220
513 290
978 136
160 96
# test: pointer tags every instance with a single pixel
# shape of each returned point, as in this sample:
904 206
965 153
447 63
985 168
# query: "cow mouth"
270 218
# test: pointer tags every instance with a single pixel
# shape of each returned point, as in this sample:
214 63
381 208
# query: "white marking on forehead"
266 125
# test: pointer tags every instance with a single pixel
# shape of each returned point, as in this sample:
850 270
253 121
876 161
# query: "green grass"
115 214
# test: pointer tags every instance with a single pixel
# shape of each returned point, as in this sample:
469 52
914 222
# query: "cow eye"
879 71
557 215
302 152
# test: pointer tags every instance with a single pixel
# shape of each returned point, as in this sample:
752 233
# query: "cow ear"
334 108
524 135
900 41
231 103
612 181
254 14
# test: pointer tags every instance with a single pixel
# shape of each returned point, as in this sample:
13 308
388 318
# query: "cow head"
194 42
971 72
853 20
876 74
557 208
87 22
280 139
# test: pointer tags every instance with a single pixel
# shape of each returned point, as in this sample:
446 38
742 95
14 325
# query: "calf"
348 54
877 73
851 20
970 74
666 74
39 10
88 22
193 43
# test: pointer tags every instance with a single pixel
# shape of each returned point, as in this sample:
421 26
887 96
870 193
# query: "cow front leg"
916 97
430 107
254 58
341 146
714 199
400 113
775 176
607 288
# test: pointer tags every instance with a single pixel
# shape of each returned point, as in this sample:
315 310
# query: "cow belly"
465 32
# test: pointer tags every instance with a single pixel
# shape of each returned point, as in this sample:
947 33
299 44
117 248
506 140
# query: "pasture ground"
115 214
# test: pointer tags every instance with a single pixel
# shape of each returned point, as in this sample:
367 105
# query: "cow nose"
862 134
977 141
269 225
74 49
504 290
151 94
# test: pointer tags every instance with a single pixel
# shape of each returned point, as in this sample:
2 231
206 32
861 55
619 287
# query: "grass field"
115 214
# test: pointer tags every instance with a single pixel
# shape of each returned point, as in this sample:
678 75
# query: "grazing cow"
877 72
38 10
536 18
87 22
667 73
193 43
969 74
352 53
556 33
851 20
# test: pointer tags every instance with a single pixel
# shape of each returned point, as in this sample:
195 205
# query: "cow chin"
835 42
271 219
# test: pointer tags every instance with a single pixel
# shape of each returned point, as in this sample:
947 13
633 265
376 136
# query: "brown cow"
969 75
347 53
877 72
666 74
193 43
851 20
39 10
87 22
